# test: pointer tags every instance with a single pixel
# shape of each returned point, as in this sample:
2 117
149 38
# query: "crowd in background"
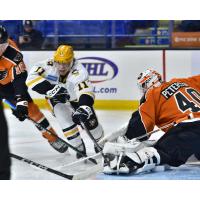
95 34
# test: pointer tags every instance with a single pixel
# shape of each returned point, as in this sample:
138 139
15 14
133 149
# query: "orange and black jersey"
173 101
13 70
11 63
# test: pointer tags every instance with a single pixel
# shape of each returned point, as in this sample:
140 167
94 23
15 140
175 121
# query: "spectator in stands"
190 26
31 39
4 149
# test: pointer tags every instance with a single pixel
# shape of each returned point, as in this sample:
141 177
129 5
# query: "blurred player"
65 84
163 103
13 75
4 148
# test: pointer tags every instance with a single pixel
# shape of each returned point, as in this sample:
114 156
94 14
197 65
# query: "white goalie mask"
147 79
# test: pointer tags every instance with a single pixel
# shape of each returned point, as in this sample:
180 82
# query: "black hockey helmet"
3 34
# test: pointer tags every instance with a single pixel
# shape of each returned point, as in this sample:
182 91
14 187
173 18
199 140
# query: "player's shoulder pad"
39 66
13 54
13 44
79 73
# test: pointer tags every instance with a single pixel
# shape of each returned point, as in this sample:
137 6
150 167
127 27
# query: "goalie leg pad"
143 160
148 157
118 148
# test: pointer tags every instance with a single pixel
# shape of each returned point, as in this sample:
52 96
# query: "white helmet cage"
147 79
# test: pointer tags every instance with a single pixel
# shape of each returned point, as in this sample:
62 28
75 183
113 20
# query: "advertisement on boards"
186 39
113 73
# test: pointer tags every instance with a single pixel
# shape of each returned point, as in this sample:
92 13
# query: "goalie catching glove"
58 95
21 111
83 113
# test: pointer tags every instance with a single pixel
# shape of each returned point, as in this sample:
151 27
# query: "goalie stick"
113 136
190 116
65 144
120 132
155 131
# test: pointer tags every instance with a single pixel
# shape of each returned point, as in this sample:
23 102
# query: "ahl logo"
99 69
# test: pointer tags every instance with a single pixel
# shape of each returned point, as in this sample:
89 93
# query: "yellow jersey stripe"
30 83
71 132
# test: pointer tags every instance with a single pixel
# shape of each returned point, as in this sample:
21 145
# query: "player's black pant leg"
4 149
7 92
179 143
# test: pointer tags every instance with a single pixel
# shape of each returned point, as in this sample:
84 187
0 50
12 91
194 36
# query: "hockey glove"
21 111
82 114
58 95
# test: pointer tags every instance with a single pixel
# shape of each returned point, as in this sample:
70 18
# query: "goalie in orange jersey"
176 102
13 75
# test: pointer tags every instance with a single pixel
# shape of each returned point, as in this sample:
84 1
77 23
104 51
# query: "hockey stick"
41 127
155 131
80 176
80 161
190 116
113 136
89 171
30 162
95 142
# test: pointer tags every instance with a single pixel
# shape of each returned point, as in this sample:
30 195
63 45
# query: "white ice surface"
26 141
